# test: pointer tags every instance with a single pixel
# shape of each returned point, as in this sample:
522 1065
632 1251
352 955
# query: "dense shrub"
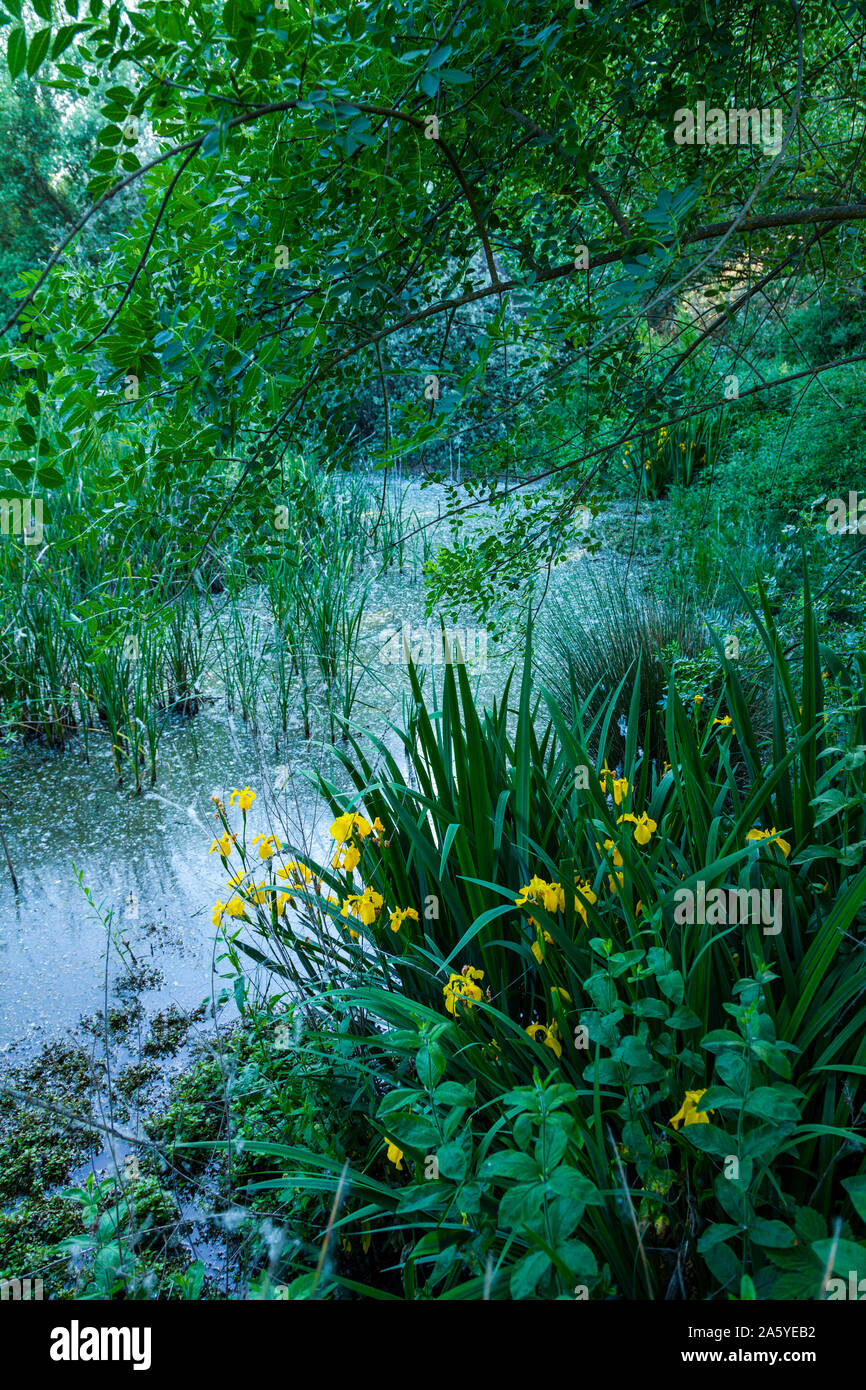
579 1088
601 641
828 327
778 463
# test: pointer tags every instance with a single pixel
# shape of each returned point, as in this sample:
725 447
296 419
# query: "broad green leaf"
38 50
16 51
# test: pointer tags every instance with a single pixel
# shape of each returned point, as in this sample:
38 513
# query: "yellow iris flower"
463 988
549 1035
345 826
400 915
688 1113
772 835
395 1155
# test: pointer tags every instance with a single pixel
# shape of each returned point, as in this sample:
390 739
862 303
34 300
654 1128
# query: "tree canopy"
382 230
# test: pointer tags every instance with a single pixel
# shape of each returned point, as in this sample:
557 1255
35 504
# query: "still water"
145 858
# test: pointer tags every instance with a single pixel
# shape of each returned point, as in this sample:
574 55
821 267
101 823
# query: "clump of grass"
599 641
577 1056
333 609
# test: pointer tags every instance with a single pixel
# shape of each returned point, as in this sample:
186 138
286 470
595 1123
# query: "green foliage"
830 326
29 1235
127 1226
324 244
37 1147
672 457
607 638
392 286
46 148
778 463
544 1081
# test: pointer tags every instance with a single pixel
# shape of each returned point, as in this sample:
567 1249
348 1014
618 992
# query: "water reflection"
145 858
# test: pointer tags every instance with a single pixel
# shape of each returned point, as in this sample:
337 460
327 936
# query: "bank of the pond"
115 1010
144 859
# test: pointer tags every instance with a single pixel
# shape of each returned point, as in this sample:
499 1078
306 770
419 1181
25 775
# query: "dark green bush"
779 462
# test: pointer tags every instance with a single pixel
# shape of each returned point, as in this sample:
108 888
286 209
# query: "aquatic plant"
563 1054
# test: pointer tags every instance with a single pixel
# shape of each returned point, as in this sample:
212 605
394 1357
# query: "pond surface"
145 859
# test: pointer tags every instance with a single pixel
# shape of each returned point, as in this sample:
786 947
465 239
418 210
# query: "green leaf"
579 1259
413 1132
809 1225
774 1234
453 1093
671 984
308 344
846 1257
430 1064
719 1231
512 1165
856 1189
769 1103
38 50
652 1008
212 143
526 1275
521 1205
567 1182
22 470
709 1139
233 17
446 847
723 1264
397 1100
16 52
683 1019
423 1197
453 1162
438 56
